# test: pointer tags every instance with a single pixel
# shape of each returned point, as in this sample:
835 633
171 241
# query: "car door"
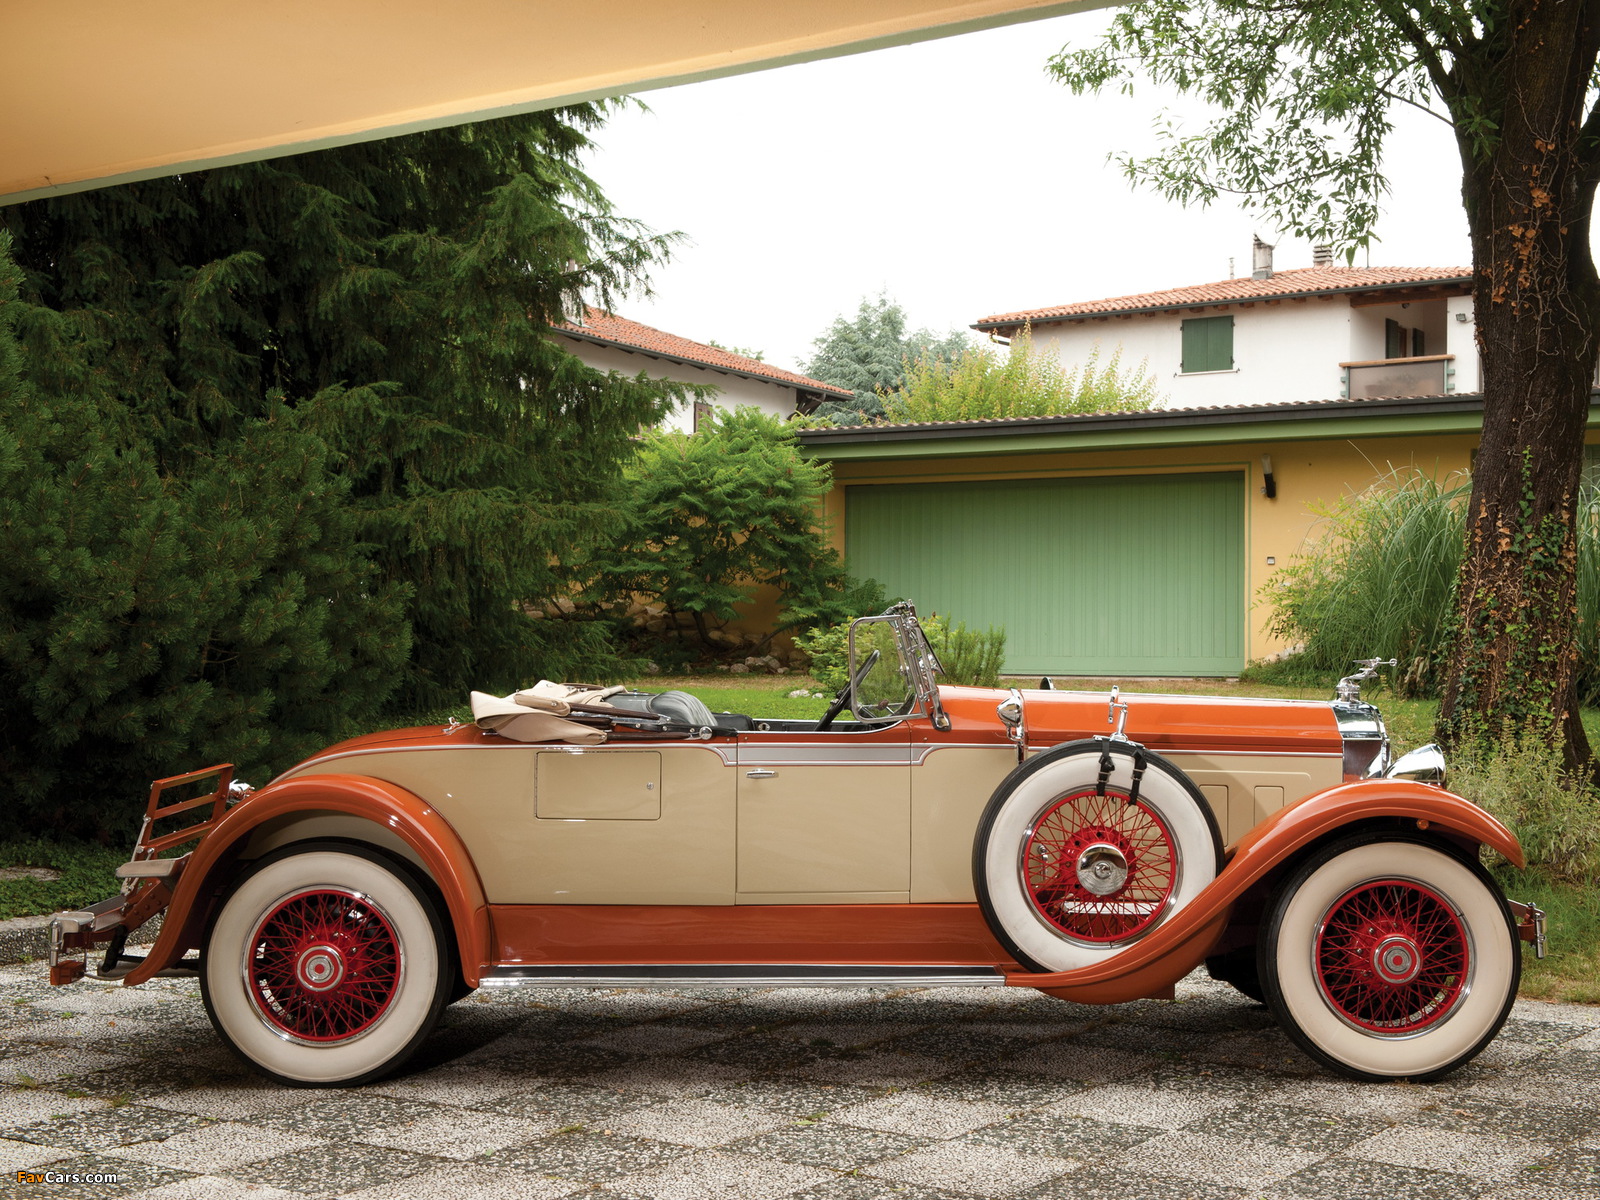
825 818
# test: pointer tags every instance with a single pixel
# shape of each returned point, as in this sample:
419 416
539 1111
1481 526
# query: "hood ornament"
1348 689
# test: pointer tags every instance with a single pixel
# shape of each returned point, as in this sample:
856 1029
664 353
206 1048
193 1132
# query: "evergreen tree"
156 620
391 300
869 355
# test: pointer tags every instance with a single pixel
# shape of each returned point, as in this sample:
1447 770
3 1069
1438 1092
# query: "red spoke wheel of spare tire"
1069 872
1099 868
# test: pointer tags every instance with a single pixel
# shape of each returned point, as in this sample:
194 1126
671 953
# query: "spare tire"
1067 877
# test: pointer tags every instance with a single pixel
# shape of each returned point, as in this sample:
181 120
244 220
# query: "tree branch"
1390 94
1427 51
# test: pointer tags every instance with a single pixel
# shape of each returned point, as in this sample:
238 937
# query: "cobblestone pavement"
804 1093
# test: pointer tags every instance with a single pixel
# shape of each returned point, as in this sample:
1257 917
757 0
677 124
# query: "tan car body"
858 841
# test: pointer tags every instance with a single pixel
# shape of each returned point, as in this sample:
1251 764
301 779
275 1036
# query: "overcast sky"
952 174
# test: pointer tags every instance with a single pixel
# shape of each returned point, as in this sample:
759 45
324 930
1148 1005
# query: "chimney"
1322 256
1260 259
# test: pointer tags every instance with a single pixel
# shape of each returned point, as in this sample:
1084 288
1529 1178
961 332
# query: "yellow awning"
107 91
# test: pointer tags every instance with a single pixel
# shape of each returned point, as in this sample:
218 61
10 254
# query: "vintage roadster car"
1097 847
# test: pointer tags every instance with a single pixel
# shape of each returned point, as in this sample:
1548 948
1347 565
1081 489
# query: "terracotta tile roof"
610 329
1302 281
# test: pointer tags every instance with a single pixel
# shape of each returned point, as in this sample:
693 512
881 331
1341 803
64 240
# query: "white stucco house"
1313 333
608 342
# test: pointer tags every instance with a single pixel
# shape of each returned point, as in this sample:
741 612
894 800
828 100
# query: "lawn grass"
1570 970
752 695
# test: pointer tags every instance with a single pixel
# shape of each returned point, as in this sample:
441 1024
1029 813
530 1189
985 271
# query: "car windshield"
892 666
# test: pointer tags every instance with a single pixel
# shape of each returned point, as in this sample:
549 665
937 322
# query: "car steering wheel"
847 691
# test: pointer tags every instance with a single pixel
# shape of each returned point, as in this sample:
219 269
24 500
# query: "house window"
1207 344
1418 344
702 413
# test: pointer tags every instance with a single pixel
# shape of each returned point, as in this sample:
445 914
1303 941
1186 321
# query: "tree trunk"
1513 668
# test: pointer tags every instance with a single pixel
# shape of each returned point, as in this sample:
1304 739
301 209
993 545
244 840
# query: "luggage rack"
147 879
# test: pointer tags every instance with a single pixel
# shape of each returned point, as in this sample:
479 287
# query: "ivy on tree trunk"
1528 191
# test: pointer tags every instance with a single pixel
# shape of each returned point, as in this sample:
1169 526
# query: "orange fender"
417 823
1179 945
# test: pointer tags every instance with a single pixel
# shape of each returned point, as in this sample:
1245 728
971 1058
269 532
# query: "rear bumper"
80 930
148 879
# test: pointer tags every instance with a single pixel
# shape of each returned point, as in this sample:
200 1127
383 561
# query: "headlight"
1425 764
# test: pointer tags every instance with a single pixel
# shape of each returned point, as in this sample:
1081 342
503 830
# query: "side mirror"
1425 764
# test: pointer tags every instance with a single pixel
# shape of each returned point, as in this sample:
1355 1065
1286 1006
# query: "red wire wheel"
1099 869
1392 957
324 965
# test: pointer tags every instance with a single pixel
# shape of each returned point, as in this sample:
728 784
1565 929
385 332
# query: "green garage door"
1124 575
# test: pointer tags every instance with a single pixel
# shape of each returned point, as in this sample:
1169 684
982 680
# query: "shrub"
1019 382
1552 814
395 298
968 656
155 620
710 517
1379 580
829 652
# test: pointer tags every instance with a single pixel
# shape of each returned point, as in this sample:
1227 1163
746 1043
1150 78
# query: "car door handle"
760 774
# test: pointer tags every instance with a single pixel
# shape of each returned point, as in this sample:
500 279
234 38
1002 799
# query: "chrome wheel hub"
1396 959
1102 869
320 968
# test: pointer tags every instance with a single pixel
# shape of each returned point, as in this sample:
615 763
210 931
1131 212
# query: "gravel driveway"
806 1093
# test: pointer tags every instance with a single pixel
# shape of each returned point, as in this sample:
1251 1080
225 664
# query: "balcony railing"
1428 375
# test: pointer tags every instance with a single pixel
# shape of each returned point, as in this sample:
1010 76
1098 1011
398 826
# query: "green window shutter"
1207 344
1394 339
1194 346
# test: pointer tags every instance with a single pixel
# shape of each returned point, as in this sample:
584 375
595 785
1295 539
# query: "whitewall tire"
1389 958
1067 877
326 964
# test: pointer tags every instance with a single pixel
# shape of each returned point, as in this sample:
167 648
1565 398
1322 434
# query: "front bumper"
1530 925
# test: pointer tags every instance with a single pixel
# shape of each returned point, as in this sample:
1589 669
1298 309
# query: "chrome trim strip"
765 976
726 753
815 753
823 754
760 754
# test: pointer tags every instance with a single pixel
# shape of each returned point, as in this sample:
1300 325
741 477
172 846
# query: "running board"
761 976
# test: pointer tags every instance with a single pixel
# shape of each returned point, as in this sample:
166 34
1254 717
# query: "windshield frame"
919 664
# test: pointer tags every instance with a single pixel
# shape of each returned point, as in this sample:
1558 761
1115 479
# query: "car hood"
1161 722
